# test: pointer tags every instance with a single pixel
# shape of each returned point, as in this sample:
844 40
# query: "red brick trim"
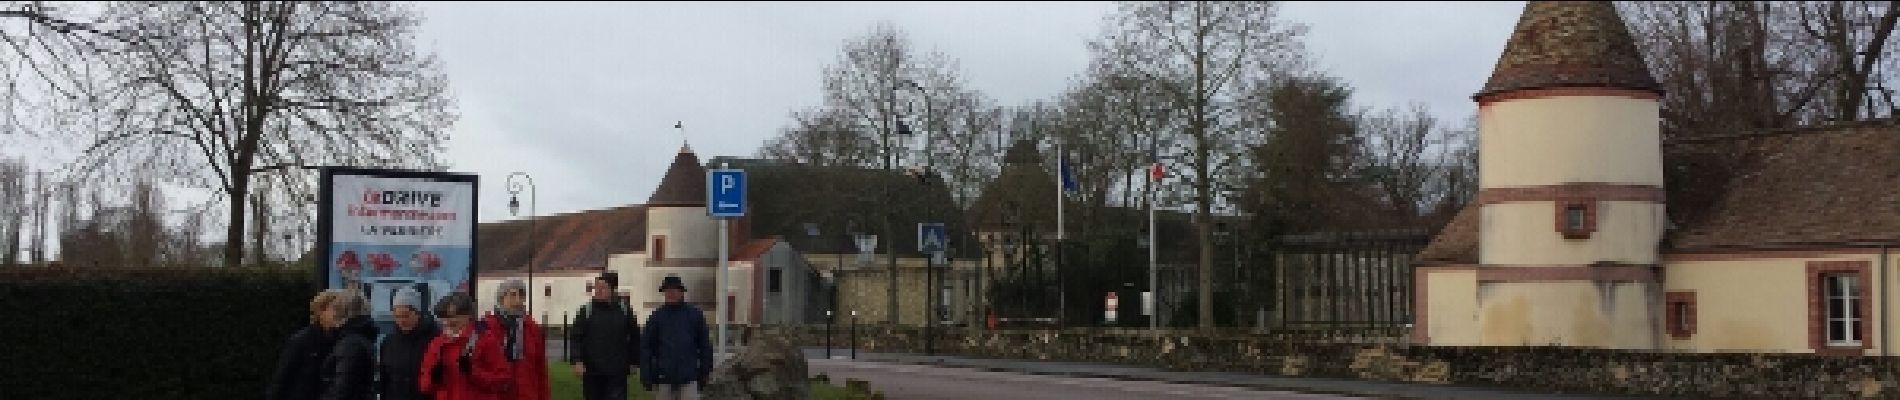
1678 324
1572 191
1589 226
1745 254
1817 306
1487 100
1567 273
659 248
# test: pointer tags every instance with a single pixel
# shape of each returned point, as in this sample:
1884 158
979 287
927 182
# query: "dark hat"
672 282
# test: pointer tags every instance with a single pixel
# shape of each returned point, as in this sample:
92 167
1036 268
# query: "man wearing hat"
678 352
605 341
522 343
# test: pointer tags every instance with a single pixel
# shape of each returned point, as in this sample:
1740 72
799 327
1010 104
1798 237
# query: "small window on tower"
774 279
1577 218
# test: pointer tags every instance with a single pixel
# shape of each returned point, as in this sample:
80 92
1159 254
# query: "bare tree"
15 209
1214 51
221 96
1727 67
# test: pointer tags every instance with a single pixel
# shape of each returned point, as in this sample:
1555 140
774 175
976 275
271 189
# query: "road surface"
919 382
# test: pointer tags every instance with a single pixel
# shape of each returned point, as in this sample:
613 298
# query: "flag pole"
1154 297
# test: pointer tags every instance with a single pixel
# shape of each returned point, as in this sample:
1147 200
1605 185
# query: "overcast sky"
583 96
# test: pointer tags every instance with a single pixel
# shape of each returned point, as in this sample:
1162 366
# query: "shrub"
148 333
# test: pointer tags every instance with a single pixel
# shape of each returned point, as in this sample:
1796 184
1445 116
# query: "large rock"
767 367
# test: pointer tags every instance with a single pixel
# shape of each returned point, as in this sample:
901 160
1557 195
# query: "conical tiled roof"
684 184
1569 44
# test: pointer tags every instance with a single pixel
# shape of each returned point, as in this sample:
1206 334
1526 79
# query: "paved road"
919 382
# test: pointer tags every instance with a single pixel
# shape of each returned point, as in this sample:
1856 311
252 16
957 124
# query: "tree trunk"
234 230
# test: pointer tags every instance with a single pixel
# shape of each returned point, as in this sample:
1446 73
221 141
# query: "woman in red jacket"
521 342
465 362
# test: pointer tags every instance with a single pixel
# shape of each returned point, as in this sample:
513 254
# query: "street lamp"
514 207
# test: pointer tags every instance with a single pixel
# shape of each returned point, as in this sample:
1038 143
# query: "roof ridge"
1827 127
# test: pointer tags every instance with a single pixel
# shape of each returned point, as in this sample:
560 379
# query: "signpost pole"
720 289
728 201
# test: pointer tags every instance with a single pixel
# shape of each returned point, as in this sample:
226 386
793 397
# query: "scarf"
511 343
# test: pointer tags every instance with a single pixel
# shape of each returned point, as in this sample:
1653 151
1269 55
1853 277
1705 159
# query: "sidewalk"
1345 387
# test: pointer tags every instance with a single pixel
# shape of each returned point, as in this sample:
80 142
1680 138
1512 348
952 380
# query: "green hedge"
146 334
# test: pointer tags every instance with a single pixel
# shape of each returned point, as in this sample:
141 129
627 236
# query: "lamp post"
514 207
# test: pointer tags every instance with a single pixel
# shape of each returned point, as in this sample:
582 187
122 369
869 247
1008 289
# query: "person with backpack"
465 362
350 370
299 373
605 341
521 341
678 353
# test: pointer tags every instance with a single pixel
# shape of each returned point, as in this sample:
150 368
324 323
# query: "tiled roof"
684 184
785 197
753 250
577 241
1457 243
1825 186
1832 185
1569 43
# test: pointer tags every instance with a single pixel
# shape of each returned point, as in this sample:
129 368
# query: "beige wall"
689 232
1526 233
1590 314
1452 307
1544 141
569 293
1761 304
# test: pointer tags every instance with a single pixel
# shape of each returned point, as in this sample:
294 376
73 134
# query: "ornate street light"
514 207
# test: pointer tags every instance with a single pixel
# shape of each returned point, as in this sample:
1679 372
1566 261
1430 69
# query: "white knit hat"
408 296
511 284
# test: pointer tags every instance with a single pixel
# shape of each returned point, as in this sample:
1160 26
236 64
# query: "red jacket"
487 378
530 373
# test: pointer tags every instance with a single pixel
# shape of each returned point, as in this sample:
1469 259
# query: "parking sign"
726 190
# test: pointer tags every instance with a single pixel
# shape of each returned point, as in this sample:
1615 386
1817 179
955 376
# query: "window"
1576 218
659 248
1680 314
1841 298
1573 218
772 279
1837 307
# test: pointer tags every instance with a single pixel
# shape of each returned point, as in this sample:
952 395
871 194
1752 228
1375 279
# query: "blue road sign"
726 191
932 238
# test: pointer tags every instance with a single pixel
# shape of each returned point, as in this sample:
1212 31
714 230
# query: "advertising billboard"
382 230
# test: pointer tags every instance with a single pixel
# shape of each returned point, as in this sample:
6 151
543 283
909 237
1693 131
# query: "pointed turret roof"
684 184
1569 44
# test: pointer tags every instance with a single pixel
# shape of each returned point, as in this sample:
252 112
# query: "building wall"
1526 233
1761 303
798 299
1449 298
689 232
1537 287
1541 141
568 293
1569 313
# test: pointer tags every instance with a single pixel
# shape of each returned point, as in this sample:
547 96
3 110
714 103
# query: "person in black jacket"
605 339
351 367
298 375
678 353
402 350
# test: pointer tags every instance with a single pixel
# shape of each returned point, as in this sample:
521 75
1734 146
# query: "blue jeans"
603 387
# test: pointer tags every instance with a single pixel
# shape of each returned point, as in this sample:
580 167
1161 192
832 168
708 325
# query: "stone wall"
868 292
1548 369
